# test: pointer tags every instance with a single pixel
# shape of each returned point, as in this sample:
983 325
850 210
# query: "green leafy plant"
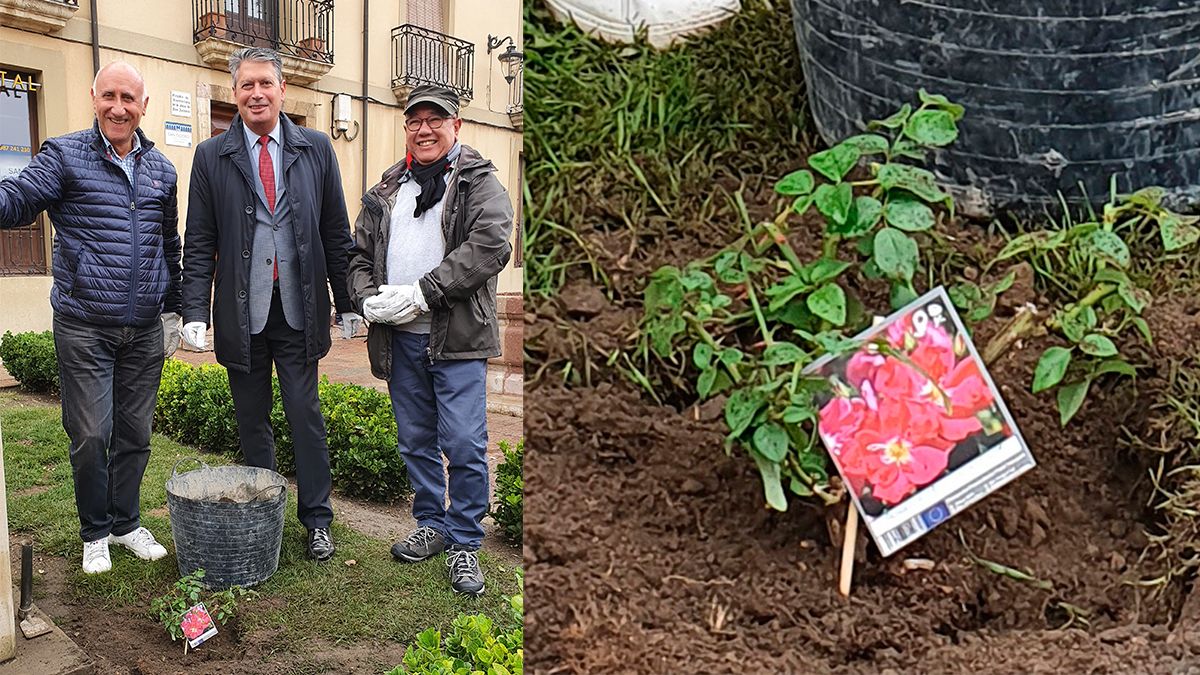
748 319
510 491
1091 260
898 195
474 645
30 358
978 301
169 608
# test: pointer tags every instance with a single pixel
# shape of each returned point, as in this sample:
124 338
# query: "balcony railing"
23 251
300 28
423 56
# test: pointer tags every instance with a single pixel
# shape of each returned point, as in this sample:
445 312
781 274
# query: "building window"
22 249
430 14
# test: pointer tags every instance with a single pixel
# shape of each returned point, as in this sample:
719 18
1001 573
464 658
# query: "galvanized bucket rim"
278 480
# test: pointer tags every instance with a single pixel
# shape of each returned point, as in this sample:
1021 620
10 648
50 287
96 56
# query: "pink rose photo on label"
914 423
197 625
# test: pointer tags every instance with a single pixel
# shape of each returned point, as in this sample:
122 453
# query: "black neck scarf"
433 187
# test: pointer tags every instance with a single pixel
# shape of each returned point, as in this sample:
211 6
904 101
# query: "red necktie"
266 173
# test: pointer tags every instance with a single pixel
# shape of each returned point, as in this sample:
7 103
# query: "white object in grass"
665 21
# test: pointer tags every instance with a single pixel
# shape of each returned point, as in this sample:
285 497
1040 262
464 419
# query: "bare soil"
647 549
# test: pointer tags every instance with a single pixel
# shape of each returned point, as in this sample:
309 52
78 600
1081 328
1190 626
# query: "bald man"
116 299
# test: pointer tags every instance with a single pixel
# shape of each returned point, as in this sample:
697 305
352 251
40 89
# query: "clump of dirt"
1175 322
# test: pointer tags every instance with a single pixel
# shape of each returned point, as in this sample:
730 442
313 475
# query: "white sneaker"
95 557
141 542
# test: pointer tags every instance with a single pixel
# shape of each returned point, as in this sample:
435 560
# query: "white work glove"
351 322
194 334
388 302
172 325
394 305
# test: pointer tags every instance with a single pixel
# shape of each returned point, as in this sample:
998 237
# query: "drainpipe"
95 40
365 90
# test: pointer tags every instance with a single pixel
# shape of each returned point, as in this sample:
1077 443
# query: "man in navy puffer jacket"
111 198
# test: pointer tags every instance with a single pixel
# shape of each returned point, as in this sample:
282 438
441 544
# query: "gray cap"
442 97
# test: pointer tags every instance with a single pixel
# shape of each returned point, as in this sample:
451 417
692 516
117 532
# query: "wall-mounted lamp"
340 124
510 57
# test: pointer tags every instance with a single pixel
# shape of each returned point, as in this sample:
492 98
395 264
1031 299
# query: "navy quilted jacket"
116 247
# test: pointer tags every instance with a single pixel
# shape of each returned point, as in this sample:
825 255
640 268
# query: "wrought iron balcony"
42 16
423 56
300 30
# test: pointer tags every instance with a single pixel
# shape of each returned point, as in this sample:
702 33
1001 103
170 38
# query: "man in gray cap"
430 239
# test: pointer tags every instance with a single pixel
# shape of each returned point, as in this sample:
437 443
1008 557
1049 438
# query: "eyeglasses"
415 124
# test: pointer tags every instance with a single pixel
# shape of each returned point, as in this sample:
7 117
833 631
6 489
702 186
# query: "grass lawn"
373 599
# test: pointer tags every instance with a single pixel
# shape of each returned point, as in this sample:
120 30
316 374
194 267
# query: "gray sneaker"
422 544
465 575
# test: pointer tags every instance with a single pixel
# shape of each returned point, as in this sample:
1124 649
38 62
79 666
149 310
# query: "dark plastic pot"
1058 93
227 520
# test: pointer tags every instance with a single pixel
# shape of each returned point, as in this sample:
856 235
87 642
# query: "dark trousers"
441 409
109 377
252 402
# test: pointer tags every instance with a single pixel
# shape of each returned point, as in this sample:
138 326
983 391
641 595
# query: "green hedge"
510 491
30 358
196 408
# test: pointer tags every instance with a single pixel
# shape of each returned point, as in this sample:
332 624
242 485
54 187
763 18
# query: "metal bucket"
227 520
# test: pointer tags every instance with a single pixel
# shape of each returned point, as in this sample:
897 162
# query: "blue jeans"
441 409
109 377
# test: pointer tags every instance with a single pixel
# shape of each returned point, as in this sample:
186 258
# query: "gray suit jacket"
274 238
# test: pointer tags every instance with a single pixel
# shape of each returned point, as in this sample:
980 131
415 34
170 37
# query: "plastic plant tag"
197 625
914 423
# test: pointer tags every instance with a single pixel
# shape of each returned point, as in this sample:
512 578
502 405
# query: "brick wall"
506 374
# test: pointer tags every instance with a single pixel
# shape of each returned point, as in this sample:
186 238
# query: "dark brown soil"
649 550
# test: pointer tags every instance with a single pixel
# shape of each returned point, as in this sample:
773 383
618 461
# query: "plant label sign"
197 625
914 423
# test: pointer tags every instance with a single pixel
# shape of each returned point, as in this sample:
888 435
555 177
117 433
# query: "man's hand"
351 322
194 334
172 325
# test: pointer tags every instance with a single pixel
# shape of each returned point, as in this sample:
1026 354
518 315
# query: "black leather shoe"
320 544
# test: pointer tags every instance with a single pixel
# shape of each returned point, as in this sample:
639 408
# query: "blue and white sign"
178 133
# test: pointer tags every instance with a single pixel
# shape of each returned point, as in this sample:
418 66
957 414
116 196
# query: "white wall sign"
181 104
179 134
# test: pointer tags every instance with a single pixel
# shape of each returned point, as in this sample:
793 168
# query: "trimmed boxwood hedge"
510 491
195 407
30 358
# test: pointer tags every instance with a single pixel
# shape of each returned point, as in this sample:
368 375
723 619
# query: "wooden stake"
849 541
